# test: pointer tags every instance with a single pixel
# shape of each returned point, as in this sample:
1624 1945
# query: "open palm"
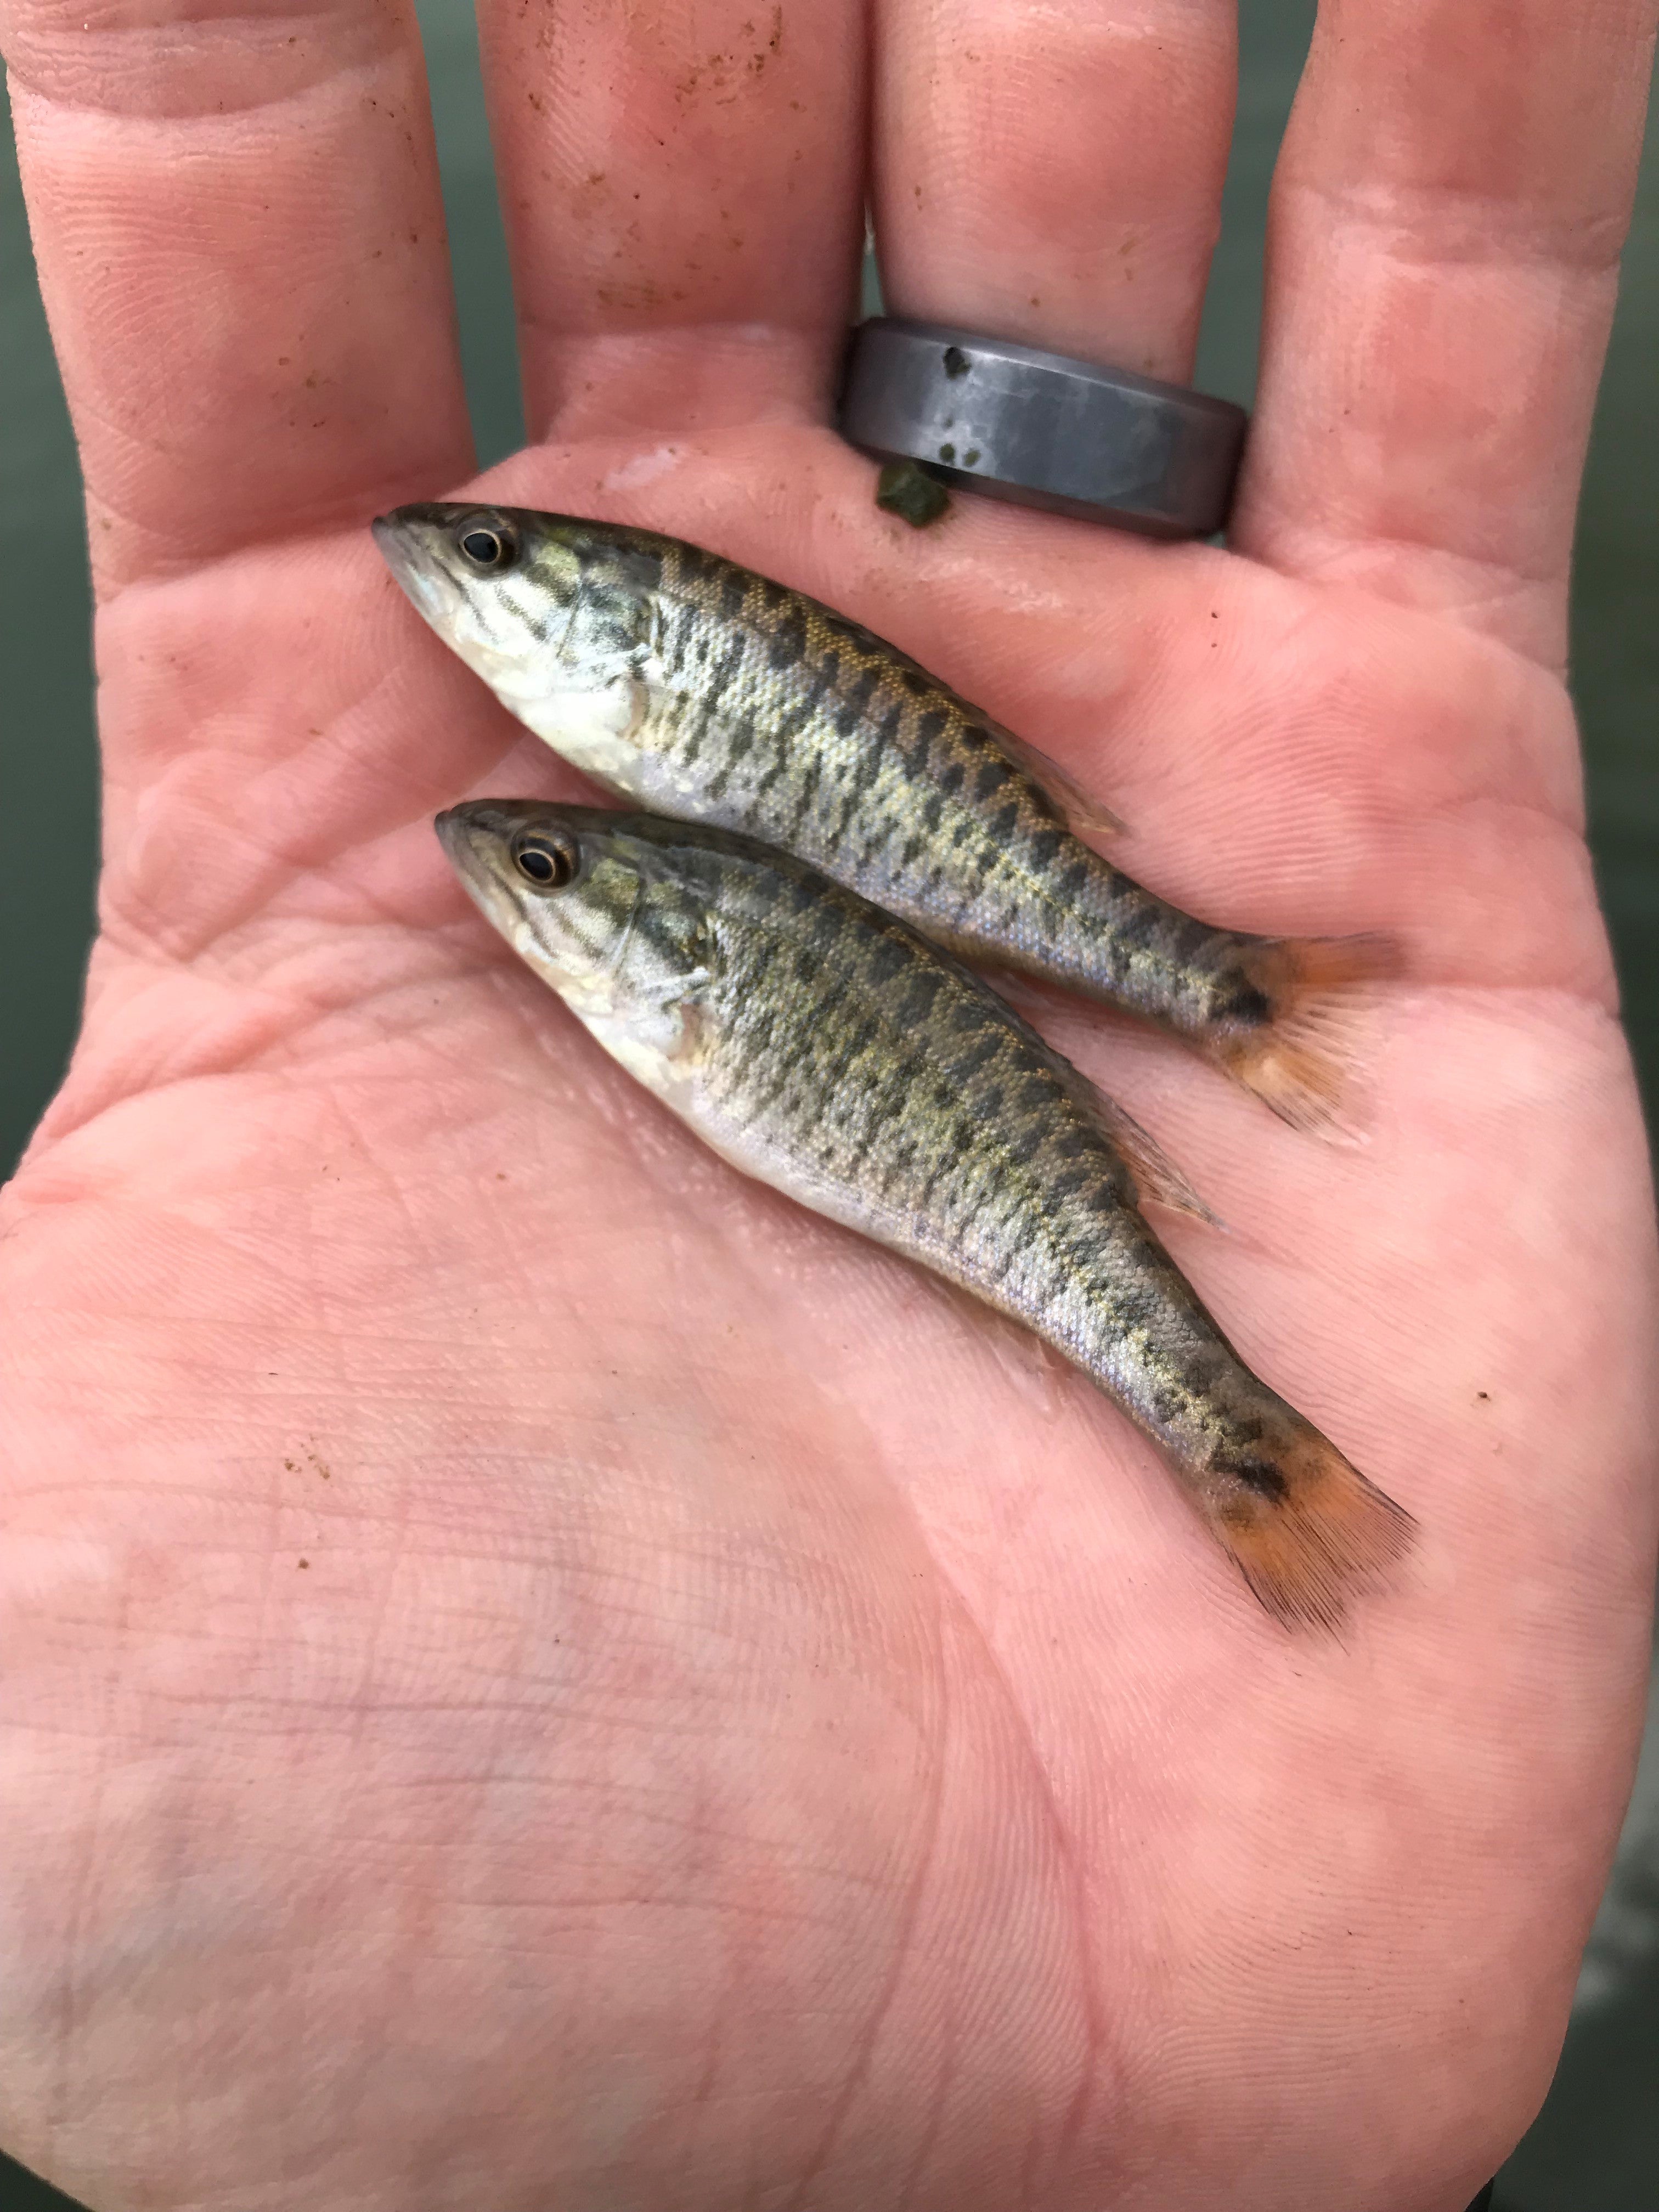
537 1673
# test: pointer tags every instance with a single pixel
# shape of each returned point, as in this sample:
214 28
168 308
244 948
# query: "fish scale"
822 1045
881 741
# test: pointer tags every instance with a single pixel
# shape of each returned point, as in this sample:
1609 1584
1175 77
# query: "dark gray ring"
986 415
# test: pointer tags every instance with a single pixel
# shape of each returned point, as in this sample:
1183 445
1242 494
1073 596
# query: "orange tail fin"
1329 1536
1301 1061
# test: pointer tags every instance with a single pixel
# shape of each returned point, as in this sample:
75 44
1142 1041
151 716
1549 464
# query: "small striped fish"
687 684
822 1046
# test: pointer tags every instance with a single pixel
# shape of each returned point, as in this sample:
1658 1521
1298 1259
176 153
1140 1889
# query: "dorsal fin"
1078 809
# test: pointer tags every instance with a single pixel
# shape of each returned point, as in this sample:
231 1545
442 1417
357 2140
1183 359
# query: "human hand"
536 1673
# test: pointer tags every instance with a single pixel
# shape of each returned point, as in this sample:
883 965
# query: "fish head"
553 611
598 908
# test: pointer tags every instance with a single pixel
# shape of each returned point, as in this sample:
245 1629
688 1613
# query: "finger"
242 247
1447 217
682 191
1053 173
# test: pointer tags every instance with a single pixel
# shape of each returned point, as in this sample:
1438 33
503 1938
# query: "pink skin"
537 1673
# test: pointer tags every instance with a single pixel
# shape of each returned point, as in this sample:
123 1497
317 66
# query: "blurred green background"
1595 2145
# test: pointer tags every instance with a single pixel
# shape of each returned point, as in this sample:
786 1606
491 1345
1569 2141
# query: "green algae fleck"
905 489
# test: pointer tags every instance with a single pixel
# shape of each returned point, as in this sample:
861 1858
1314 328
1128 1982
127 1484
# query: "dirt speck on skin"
719 76
640 297
315 1459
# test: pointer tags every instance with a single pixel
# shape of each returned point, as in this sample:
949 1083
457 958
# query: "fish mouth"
475 843
454 833
413 543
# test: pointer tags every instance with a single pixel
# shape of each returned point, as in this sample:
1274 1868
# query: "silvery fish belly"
825 1047
692 686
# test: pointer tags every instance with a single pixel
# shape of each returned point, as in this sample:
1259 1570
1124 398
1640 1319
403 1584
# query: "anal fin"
1158 1180
1080 810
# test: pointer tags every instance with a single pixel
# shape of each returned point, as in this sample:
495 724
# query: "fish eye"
488 544
548 862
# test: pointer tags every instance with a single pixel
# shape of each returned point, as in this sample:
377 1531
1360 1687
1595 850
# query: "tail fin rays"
1301 1061
1328 1537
